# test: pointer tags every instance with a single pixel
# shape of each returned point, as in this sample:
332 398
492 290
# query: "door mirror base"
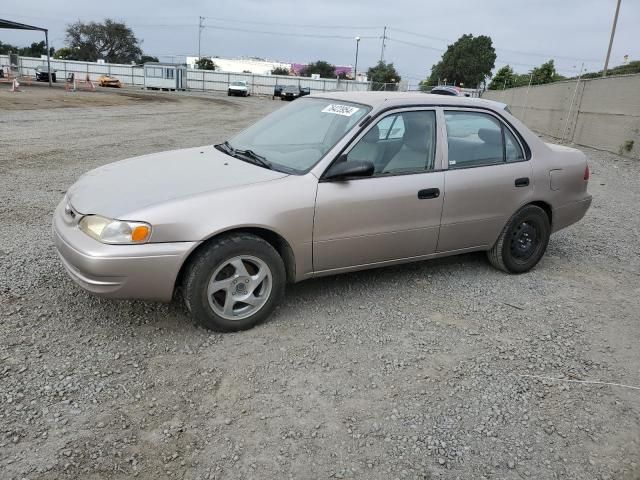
345 170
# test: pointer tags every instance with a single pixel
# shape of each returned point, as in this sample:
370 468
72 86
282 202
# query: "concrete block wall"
602 113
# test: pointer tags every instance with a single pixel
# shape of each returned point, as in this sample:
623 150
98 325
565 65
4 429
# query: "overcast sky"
525 33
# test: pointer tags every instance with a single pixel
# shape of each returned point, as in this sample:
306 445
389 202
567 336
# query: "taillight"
586 173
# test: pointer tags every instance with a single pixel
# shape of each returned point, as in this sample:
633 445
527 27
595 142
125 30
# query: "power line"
418 45
441 50
307 35
264 32
297 25
519 52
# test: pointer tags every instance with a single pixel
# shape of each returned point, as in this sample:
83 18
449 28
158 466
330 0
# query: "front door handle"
522 182
429 193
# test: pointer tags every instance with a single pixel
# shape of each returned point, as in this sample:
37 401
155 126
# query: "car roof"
398 99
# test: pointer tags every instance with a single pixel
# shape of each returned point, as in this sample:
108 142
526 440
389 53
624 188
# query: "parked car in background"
109 81
446 90
42 74
277 91
239 88
291 92
332 183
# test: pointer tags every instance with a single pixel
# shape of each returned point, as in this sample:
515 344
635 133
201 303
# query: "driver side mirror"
344 170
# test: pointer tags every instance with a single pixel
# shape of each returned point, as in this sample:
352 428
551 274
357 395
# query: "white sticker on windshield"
345 110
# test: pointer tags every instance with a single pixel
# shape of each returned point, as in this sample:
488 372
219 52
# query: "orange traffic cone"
15 86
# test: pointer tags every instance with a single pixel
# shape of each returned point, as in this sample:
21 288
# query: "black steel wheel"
523 241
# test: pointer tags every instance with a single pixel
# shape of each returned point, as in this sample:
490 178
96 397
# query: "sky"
525 33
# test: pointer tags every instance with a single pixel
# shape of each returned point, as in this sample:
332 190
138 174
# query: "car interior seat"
369 148
416 148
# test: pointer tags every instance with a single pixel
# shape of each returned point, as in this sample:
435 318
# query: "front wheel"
522 242
235 283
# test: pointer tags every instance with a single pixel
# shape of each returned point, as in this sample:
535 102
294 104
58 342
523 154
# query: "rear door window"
477 139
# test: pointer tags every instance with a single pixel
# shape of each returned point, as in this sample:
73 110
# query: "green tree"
626 69
545 73
468 61
112 41
7 48
280 71
205 64
504 78
383 74
322 68
34 50
64 53
148 58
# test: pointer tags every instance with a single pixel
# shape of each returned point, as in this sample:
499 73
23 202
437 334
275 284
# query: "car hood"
128 185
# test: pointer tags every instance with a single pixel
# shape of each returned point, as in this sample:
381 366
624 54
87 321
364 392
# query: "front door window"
398 144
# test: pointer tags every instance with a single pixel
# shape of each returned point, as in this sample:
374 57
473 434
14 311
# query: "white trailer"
165 76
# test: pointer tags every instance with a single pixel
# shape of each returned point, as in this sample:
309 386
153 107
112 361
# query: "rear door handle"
522 182
429 193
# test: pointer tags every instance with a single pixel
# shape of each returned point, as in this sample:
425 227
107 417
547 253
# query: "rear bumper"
145 272
570 213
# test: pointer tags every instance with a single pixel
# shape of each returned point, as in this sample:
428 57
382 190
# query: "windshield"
294 138
238 84
291 88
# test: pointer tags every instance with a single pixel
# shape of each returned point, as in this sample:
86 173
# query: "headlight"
106 230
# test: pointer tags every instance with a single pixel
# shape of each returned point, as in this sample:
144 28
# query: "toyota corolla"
331 183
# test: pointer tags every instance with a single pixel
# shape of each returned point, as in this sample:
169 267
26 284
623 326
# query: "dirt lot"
405 372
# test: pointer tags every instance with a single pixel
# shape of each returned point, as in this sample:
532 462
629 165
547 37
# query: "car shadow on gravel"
327 291
383 276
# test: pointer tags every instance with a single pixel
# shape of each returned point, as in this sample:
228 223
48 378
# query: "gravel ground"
406 372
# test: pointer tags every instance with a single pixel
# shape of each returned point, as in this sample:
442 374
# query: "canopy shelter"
22 26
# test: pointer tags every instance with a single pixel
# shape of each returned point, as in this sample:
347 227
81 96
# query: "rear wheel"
235 283
522 242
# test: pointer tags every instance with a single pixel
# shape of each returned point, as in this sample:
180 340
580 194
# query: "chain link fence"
203 80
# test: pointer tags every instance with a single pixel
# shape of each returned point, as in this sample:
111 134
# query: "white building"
242 65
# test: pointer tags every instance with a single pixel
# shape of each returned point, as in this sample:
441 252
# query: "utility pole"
200 28
384 39
355 68
613 32
46 42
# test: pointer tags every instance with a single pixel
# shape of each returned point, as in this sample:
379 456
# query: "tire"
213 277
228 94
522 242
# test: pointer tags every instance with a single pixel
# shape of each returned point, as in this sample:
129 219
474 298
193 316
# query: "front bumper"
147 271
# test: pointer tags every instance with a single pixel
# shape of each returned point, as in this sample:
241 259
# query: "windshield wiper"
226 148
254 158
246 155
